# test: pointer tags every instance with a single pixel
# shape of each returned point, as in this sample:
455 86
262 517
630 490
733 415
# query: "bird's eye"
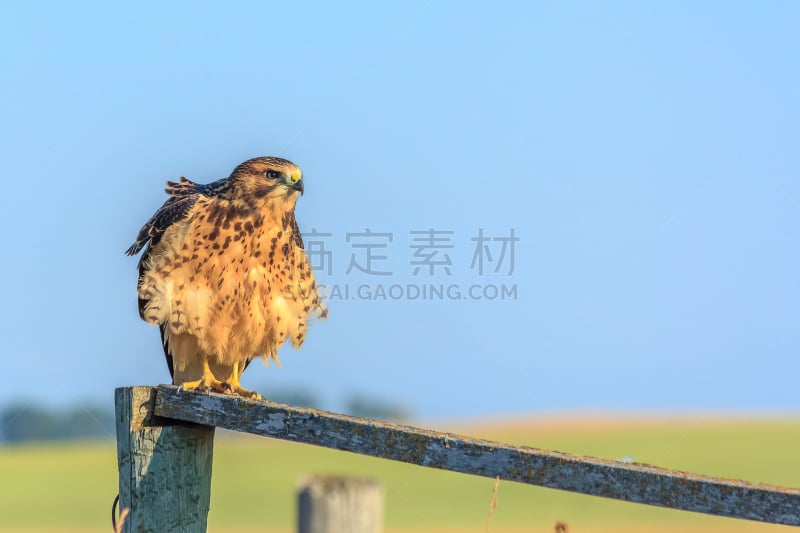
271 174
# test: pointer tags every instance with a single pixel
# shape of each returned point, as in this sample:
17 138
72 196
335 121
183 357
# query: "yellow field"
69 487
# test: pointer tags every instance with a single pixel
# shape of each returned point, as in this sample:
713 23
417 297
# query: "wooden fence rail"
587 475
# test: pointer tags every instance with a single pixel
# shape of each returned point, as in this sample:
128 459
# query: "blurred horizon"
23 423
554 207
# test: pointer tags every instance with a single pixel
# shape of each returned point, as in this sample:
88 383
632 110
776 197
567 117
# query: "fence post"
164 466
332 504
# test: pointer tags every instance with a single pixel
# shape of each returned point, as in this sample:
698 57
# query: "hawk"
224 274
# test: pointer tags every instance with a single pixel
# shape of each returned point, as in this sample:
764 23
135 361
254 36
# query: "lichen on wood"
620 480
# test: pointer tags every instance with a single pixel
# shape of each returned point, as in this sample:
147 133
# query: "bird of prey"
225 275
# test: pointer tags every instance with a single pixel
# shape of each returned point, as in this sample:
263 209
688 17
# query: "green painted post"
164 467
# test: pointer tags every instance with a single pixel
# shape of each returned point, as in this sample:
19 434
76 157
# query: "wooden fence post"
164 466
332 504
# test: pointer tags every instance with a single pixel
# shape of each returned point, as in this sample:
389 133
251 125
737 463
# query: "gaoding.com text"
420 292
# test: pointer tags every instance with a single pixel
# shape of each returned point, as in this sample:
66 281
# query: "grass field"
69 487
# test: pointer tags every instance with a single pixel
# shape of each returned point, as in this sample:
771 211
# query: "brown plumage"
225 275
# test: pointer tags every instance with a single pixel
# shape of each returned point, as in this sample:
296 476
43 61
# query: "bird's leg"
207 382
236 387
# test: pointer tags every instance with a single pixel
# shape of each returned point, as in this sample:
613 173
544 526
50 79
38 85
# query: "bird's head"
268 178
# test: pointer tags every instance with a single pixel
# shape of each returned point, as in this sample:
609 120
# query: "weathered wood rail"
631 482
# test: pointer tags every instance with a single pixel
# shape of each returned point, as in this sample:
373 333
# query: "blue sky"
645 156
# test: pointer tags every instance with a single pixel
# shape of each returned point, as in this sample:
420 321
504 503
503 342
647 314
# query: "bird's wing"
183 196
183 187
174 210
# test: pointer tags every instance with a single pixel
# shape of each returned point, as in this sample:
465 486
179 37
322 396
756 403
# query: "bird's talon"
244 393
206 384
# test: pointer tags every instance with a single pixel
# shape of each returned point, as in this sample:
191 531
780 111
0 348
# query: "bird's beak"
296 182
298 186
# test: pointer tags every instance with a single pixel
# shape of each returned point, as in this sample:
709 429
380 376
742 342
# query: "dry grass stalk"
492 505
122 516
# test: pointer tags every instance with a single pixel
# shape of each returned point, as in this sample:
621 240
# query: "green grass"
62 487
57 486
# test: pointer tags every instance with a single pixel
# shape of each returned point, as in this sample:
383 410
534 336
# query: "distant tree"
23 422
369 407
296 396
88 422
28 422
